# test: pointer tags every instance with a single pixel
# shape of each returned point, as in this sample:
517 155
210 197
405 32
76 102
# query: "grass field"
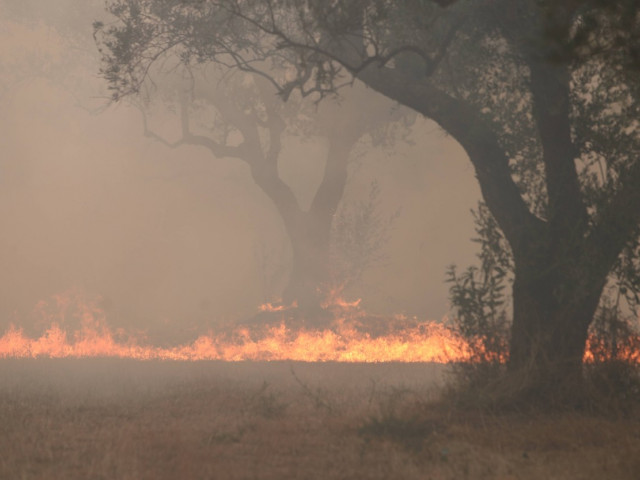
120 419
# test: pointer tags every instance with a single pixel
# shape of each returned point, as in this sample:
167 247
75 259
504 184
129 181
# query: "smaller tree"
479 303
359 234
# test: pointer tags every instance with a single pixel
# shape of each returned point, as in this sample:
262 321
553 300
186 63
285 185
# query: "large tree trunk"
552 311
561 262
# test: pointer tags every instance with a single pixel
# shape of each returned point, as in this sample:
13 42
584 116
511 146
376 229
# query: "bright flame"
428 342
343 342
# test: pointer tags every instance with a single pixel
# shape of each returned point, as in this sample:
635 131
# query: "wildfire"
76 327
341 342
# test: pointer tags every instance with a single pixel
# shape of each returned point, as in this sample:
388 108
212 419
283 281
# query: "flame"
344 341
629 352
334 299
277 307
428 342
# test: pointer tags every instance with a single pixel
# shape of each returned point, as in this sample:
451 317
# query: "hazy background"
173 240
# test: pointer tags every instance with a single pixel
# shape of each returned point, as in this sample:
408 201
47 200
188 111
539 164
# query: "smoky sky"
174 240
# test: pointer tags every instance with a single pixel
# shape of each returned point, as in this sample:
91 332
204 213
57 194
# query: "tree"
553 138
239 115
359 233
584 29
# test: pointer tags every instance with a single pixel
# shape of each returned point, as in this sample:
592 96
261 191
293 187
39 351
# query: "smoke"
174 240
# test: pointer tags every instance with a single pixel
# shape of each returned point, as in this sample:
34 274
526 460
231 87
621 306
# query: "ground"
121 419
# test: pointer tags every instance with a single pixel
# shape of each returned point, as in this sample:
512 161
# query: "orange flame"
333 299
343 342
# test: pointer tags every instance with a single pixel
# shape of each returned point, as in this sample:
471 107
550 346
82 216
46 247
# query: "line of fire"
351 336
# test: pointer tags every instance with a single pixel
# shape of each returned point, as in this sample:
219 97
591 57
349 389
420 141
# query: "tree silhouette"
239 115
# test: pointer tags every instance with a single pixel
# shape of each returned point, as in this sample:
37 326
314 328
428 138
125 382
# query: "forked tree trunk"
310 266
310 232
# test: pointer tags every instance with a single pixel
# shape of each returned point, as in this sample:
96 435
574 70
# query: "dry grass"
127 420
